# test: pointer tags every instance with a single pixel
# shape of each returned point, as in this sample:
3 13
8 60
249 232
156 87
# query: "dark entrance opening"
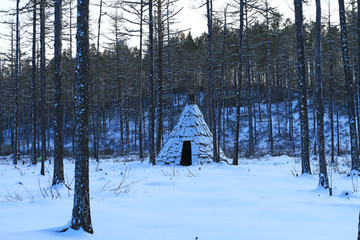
186 154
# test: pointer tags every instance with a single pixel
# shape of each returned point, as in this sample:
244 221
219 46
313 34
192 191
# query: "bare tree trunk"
331 94
169 69
151 88
323 176
238 89
12 70
141 155
97 118
72 85
34 95
253 103
16 82
358 60
221 85
349 89
81 210
159 85
337 130
127 121
212 104
312 80
58 176
251 150
43 86
1 106
304 124
268 84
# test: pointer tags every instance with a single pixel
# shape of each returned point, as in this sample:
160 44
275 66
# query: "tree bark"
81 210
97 111
238 88
58 176
34 95
304 124
221 84
141 155
43 86
16 82
251 150
331 95
1 106
212 104
159 85
349 90
358 66
323 176
268 84
151 89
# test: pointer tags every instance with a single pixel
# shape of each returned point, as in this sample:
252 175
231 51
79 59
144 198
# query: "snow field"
259 199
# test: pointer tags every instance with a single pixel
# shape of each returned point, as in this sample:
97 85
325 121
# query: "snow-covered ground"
259 199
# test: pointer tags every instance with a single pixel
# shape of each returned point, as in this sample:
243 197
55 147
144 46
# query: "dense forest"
247 59
265 84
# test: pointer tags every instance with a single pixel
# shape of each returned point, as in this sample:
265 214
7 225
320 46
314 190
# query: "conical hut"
191 141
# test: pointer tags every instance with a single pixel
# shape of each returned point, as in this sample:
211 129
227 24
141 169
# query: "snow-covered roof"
191 127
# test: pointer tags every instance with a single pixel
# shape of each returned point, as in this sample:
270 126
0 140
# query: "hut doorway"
186 154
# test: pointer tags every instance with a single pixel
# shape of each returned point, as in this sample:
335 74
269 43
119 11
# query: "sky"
193 18
196 19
